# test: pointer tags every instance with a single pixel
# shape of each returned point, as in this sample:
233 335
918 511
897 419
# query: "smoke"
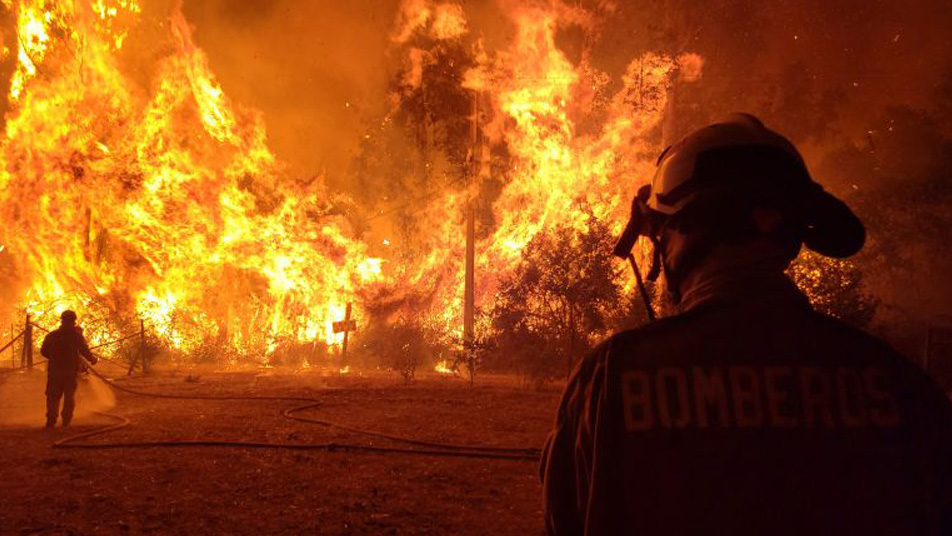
302 63
23 398
317 70
323 71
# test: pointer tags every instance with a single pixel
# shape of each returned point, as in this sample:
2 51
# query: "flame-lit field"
172 491
134 188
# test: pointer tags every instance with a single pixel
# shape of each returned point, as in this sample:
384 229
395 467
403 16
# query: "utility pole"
469 306
469 291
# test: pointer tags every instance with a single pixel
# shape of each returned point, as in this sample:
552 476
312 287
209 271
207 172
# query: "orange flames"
162 200
556 174
157 197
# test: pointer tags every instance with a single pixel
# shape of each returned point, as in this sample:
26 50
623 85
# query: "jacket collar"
743 285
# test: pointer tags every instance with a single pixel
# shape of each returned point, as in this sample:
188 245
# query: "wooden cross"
345 326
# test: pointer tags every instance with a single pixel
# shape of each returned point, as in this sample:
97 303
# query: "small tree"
559 300
402 346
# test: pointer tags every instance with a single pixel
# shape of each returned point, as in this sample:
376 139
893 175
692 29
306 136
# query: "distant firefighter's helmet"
740 163
68 317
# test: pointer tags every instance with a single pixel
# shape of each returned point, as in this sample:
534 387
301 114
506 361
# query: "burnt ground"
239 491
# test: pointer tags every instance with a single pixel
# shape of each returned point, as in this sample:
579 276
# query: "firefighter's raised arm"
83 347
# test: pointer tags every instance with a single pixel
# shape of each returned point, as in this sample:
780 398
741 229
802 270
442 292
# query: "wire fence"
29 362
8 345
413 446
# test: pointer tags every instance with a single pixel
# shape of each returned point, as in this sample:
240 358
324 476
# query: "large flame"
557 174
162 199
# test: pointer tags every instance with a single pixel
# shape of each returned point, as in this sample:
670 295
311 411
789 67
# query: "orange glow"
162 202
442 367
165 202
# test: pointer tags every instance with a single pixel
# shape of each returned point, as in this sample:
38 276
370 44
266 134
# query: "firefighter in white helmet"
747 412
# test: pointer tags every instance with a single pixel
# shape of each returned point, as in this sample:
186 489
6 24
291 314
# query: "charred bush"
403 346
298 354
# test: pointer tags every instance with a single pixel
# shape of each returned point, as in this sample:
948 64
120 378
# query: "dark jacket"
749 414
63 348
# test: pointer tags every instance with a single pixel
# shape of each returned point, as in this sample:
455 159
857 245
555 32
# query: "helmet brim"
739 164
830 227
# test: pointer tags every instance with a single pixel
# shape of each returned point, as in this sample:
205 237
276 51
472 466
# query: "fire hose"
426 448
429 448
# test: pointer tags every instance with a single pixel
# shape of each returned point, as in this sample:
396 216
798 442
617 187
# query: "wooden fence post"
140 355
28 344
345 326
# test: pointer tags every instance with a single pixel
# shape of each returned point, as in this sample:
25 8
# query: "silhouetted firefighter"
748 412
63 347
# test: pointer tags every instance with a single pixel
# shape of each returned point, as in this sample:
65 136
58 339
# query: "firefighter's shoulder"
863 349
653 333
863 344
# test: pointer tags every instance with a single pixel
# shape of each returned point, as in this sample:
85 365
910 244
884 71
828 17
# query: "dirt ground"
240 491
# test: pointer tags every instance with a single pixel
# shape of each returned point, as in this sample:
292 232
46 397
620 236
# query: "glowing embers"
443 367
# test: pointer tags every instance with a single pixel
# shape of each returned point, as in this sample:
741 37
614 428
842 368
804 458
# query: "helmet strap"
655 259
645 298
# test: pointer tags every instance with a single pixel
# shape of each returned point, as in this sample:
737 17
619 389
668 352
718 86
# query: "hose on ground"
430 448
